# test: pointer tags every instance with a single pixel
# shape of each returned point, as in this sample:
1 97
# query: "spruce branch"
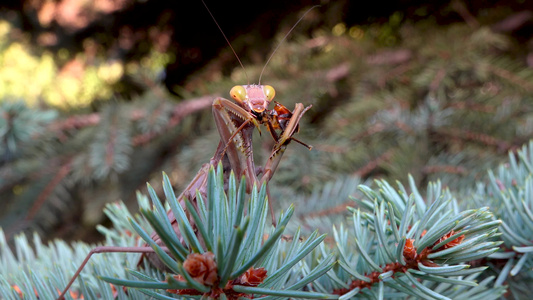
18 125
63 171
508 191
179 112
239 260
242 262
94 147
484 139
373 164
325 206
403 245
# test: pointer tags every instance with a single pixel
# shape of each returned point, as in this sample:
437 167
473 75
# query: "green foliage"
400 240
508 192
18 125
401 245
50 165
430 105
442 103
236 240
39 270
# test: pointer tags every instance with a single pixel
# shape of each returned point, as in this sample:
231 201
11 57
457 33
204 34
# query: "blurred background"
99 97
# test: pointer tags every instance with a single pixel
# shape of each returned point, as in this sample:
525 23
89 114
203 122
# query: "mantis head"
254 97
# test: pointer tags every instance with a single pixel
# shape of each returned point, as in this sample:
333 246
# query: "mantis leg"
283 141
235 126
104 249
279 148
235 145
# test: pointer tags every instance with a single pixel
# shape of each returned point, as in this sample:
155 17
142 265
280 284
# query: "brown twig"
180 111
445 169
460 7
404 127
435 83
330 148
338 209
484 108
61 173
482 138
505 74
110 146
513 22
412 260
371 130
373 164
75 122
82 121
390 57
394 73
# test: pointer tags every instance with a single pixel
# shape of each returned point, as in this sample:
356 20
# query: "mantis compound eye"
238 93
269 92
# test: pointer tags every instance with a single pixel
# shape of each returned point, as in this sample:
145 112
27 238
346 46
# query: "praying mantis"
235 122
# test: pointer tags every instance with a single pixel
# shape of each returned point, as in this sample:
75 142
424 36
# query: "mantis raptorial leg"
239 143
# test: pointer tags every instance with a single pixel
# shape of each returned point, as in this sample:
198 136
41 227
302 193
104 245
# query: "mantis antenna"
282 40
271 55
224 35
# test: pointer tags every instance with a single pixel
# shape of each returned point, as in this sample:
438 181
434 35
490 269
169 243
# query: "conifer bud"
202 267
253 277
